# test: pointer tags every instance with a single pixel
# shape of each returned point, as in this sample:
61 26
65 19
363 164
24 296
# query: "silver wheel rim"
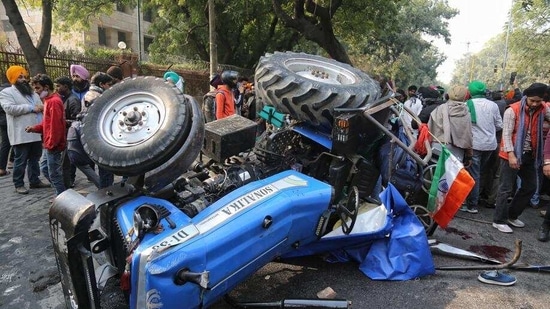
132 119
321 71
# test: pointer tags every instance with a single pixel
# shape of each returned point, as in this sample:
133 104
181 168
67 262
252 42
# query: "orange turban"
14 72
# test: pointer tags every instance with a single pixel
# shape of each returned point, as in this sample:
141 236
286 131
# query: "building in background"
105 31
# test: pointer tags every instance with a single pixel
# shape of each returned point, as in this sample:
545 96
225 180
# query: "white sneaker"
516 223
504 228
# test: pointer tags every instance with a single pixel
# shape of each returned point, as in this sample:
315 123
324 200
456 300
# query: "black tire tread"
309 100
137 159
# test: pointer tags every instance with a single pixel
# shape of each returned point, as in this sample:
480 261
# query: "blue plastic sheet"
405 254
398 251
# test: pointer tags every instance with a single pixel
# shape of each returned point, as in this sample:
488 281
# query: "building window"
123 8
102 36
122 37
148 15
147 41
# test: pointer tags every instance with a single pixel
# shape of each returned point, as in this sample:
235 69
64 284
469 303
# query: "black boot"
543 234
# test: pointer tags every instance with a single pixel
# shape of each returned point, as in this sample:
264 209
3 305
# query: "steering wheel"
427 177
423 215
349 210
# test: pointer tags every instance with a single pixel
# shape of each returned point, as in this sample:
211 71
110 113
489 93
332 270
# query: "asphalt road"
29 279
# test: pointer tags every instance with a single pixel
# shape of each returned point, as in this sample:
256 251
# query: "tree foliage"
386 37
245 30
405 51
529 40
526 53
485 66
68 15
379 36
33 53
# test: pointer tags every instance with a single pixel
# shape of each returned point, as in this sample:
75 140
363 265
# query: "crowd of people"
502 139
40 122
232 94
39 127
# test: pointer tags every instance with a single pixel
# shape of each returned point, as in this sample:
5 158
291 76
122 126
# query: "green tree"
245 31
526 53
33 53
388 34
329 23
405 52
529 47
485 65
75 15
379 36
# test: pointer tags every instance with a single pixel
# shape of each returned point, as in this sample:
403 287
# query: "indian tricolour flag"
451 184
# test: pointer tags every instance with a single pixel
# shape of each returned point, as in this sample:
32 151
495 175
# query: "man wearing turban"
23 108
520 156
175 79
81 83
486 121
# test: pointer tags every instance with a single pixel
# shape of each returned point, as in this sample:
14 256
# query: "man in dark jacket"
431 100
72 106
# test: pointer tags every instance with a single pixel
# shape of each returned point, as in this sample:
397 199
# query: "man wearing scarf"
23 108
451 125
521 155
486 121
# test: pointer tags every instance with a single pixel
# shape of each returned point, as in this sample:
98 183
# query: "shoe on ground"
470 210
542 213
516 223
21 190
39 185
535 206
497 278
490 205
504 228
543 234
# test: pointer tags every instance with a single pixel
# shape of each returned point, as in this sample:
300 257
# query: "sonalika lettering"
247 200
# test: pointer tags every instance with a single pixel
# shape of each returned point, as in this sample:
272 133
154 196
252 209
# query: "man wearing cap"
81 83
23 108
175 79
521 154
486 121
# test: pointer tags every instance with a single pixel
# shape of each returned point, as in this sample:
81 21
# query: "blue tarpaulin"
397 250
405 254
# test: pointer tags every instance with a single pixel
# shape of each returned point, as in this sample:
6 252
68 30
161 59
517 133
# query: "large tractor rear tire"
309 87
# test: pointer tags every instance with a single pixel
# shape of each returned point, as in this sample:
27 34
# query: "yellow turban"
14 72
